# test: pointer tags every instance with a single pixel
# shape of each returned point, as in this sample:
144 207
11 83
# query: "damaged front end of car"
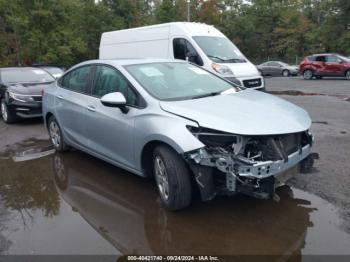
252 165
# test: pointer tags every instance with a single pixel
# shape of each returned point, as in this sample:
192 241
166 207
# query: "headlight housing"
21 98
222 69
213 138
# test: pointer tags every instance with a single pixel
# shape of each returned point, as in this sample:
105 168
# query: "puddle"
75 204
28 150
301 93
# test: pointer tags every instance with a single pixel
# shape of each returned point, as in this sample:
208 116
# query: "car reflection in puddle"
125 211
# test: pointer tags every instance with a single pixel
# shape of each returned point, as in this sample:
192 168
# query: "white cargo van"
196 42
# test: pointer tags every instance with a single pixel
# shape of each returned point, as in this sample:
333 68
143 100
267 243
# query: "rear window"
311 58
25 75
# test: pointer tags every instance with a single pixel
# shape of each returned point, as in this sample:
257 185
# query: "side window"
183 50
274 64
332 59
108 80
77 80
321 59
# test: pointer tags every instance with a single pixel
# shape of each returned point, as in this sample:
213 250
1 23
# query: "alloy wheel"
55 134
308 74
161 177
4 112
285 73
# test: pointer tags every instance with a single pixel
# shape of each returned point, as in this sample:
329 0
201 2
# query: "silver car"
179 123
277 68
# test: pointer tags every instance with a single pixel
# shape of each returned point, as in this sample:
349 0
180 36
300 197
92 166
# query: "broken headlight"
213 138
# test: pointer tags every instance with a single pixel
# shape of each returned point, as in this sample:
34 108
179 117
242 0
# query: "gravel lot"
330 114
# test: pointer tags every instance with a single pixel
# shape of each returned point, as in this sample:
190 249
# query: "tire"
347 75
7 115
285 73
172 178
56 136
308 74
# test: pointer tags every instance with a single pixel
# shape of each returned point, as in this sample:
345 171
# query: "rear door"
110 132
275 69
320 65
71 106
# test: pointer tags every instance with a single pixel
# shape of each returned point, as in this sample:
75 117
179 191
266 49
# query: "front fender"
168 129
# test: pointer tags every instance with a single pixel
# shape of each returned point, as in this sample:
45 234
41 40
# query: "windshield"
25 75
347 59
220 49
177 81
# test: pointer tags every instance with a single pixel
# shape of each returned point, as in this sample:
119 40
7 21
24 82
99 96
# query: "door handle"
60 96
91 108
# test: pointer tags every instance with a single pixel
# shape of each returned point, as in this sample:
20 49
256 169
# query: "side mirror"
115 99
191 57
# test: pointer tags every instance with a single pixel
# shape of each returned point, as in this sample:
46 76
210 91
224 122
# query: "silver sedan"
277 68
180 124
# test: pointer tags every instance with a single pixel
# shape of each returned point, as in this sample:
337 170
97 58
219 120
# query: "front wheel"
56 135
6 114
172 177
308 74
347 75
285 73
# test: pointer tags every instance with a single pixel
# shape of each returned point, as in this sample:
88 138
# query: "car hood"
28 89
246 112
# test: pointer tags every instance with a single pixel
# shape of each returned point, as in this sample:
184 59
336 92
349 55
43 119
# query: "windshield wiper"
206 95
216 57
235 60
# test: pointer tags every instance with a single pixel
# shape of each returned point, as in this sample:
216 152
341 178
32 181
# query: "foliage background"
65 32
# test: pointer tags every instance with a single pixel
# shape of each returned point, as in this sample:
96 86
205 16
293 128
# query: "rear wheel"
6 114
172 177
285 73
56 135
308 74
347 75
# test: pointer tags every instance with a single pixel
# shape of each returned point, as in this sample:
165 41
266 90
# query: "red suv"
325 65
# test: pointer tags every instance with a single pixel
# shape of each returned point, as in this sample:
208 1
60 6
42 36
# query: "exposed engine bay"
253 165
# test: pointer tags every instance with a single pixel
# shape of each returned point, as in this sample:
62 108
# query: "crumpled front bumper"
255 178
272 168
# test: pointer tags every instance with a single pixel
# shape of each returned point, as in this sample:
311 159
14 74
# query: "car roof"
324 54
128 61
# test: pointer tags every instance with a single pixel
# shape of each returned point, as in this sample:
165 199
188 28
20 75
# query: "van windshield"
220 49
178 81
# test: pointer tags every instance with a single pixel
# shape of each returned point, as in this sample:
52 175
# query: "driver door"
110 132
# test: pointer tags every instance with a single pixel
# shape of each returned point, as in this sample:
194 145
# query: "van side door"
184 50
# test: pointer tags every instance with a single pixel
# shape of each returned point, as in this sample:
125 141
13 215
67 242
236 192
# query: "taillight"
42 92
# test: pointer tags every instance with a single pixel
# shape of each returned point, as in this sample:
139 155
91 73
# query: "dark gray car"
277 68
21 92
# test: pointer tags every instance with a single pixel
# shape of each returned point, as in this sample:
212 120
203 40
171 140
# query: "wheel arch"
47 117
147 154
